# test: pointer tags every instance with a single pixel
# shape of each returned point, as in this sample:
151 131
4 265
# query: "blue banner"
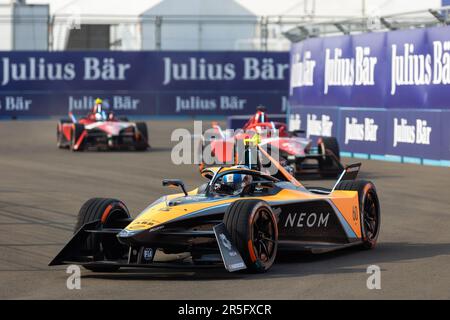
410 133
399 69
385 94
143 83
362 131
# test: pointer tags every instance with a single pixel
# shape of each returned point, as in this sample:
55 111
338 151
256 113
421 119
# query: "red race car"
297 154
102 130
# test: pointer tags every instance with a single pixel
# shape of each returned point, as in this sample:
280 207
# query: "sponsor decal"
227 244
355 213
418 133
38 69
316 126
357 71
415 69
196 103
116 103
302 70
295 122
148 254
16 103
365 131
195 69
307 220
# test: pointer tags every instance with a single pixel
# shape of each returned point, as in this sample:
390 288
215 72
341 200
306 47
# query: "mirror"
175 183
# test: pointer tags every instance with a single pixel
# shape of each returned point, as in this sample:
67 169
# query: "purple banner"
143 83
362 131
445 135
317 122
412 133
399 69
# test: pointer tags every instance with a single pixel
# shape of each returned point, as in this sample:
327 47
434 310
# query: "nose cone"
128 236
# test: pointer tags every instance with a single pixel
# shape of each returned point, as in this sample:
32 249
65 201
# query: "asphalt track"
42 189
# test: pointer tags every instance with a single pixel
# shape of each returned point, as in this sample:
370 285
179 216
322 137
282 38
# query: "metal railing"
363 24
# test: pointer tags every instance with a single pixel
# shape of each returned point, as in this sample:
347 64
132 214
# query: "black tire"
61 141
331 144
106 246
143 136
369 208
77 130
242 219
326 164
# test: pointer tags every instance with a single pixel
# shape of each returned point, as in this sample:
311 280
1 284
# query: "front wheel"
106 247
253 229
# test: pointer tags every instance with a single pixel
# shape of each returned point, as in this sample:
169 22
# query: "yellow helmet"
98 101
253 141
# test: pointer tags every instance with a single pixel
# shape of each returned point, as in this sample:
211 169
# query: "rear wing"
350 173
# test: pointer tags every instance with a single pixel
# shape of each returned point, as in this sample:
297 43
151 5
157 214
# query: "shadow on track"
294 264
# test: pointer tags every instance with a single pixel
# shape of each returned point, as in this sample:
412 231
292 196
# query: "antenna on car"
251 152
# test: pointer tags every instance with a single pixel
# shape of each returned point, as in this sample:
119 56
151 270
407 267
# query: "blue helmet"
236 182
233 178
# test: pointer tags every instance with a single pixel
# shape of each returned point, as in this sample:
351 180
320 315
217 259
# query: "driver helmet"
237 182
99 111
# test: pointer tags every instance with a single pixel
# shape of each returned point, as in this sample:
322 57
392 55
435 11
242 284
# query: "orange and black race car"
102 130
240 218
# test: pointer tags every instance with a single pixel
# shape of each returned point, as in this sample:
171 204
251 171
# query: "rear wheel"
369 208
143 135
77 130
253 229
327 165
103 247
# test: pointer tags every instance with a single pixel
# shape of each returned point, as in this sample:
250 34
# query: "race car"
101 130
297 154
240 219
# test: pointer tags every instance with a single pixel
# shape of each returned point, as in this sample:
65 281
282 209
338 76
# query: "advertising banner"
389 91
398 69
362 131
317 122
143 83
445 135
411 133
